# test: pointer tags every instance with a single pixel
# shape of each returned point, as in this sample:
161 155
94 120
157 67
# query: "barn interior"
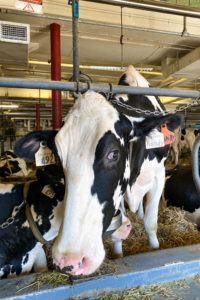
163 46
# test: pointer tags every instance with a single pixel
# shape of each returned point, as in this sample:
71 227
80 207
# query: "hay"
146 292
52 279
173 231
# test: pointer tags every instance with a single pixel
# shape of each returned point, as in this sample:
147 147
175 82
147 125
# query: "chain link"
11 220
156 112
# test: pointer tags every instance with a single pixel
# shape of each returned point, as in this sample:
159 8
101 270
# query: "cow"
188 136
20 251
184 140
93 146
11 165
180 191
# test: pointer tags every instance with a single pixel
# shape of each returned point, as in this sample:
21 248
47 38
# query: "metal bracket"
75 4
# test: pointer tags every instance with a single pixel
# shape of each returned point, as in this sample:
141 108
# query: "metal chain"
156 112
11 220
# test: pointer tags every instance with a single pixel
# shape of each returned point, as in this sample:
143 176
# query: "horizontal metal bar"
83 87
152 6
131 271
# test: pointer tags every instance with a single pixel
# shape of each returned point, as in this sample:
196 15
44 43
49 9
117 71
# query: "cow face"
93 148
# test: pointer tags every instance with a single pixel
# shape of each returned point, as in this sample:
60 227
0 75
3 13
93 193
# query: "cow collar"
115 223
30 219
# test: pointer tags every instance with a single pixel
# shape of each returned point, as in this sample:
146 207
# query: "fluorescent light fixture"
9 106
144 70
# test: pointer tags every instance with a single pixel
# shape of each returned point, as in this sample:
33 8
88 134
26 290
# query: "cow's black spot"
106 178
25 259
180 190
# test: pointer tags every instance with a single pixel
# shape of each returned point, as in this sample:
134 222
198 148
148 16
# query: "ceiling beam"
152 6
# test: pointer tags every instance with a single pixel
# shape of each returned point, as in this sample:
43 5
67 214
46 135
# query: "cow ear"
27 146
144 127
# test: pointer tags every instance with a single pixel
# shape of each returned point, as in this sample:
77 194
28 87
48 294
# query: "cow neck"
30 219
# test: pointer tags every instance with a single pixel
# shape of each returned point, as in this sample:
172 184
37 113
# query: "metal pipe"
31 114
33 101
38 116
75 19
83 87
152 6
56 75
29 118
195 163
93 23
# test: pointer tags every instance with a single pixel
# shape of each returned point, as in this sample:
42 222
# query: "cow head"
93 146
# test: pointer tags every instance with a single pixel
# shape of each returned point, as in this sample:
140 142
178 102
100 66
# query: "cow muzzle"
74 264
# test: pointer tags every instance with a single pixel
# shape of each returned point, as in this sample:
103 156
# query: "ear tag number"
155 139
168 135
48 191
44 156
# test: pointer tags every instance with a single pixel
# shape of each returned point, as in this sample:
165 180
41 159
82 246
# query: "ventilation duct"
14 32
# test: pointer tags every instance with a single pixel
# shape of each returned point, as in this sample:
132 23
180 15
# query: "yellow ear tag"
44 156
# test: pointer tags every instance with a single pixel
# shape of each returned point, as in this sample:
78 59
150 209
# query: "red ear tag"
168 135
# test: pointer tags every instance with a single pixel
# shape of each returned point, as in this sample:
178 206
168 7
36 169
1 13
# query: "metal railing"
81 87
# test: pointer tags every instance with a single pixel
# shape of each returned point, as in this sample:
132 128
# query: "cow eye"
113 155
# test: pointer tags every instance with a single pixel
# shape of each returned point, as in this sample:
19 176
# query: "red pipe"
56 75
38 116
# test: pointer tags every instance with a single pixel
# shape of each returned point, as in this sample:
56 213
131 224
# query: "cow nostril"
67 269
128 226
79 263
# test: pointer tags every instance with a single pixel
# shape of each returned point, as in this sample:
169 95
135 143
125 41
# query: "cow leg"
141 210
40 263
175 153
151 209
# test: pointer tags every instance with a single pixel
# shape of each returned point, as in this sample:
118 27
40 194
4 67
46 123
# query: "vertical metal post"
56 75
38 116
75 17
195 163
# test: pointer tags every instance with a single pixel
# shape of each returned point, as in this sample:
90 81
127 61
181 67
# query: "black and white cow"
19 249
180 191
93 146
20 252
184 140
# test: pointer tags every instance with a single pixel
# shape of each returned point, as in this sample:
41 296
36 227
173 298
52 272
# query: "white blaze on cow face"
79 247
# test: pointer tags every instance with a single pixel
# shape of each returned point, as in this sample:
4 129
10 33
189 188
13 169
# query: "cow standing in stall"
93 146
20 251
180 191
184 139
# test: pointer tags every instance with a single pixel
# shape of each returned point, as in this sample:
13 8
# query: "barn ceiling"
163 48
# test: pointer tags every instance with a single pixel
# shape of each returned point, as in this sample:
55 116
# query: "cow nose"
129 227
73 264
